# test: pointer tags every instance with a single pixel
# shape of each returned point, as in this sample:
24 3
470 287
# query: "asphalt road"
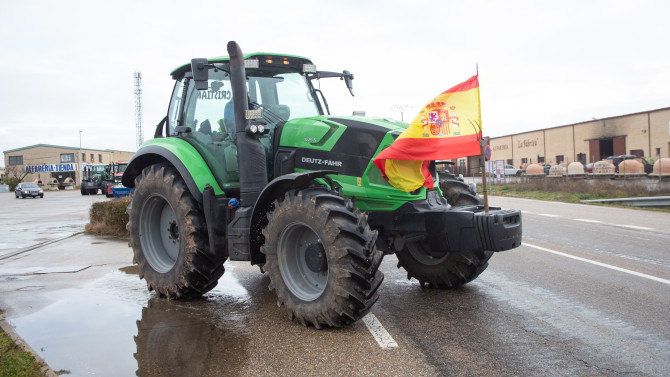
587 294
31 221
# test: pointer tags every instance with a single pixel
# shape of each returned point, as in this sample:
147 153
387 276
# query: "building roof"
586 121
62 147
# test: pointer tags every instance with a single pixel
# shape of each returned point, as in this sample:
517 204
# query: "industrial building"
44 162
644 134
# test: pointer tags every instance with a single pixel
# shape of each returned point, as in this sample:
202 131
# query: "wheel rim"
159 234
302 261
418 251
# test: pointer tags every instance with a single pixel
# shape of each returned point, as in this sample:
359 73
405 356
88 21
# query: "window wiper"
271 115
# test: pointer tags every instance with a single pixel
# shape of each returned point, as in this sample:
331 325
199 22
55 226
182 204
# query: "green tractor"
248 165
94 178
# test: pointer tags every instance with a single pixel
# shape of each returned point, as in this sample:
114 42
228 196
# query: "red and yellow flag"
448 127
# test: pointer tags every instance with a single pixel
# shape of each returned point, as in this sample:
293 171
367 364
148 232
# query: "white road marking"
636 227
590 221
383 338
639 274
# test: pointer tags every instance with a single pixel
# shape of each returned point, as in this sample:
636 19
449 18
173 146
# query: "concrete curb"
7 328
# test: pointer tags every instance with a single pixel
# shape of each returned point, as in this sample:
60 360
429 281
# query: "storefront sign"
526 143
50 168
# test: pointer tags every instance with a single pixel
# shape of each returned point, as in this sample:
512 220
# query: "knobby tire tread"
196 270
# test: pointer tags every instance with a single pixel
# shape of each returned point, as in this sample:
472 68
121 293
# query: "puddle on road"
114 327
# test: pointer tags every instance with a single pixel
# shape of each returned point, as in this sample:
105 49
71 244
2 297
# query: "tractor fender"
272 191
180 154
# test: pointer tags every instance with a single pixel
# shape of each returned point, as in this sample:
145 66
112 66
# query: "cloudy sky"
68 65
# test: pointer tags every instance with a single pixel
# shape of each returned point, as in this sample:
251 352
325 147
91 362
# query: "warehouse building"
644 134
44 162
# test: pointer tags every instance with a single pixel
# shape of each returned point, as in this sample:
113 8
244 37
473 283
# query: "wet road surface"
31 221
531 313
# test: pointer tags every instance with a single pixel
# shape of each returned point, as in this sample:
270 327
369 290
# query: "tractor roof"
295 62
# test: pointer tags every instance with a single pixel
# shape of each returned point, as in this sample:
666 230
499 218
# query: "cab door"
208 116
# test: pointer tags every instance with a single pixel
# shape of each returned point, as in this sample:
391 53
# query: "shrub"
109 218
11 181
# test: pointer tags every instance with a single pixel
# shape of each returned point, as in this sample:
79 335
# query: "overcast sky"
68 65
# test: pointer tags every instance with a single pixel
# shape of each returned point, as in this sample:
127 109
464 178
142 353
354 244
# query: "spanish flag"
448 127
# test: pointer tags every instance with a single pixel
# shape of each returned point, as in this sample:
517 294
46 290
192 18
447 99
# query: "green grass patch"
16 362
109 218
574 191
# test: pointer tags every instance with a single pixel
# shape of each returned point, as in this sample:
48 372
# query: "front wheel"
169 236
321 258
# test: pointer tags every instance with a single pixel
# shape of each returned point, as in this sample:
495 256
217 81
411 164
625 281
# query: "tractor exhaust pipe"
250 152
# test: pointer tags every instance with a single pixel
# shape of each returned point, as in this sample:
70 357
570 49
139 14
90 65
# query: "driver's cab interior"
210 117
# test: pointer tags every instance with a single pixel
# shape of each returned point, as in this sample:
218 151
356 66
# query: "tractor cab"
201 109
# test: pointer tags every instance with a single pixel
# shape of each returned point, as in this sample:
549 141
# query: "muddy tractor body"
249 165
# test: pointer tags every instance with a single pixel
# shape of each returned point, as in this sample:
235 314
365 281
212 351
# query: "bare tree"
14 176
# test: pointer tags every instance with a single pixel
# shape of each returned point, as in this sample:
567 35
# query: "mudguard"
273 190
180 154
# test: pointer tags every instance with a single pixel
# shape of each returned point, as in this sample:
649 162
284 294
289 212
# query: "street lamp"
402 109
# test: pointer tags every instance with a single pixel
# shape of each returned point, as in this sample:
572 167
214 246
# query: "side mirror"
200 73
348 77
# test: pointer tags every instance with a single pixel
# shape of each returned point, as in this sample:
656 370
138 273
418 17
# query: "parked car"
588 168
512 171
616 160
31 189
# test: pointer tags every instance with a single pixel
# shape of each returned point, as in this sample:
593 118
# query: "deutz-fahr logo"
319 161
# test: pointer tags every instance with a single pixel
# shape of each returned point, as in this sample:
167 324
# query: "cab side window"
175 104
209 115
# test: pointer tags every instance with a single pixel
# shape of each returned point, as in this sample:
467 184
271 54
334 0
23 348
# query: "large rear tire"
450 271
321 257
169 236
458 193
453 269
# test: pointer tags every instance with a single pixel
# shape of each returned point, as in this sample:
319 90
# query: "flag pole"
481 146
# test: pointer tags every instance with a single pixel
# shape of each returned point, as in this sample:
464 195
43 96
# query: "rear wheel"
83 190
449 271
169 236
321 258
458 193
452 269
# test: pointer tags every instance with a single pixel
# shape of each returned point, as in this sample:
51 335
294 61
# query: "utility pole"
139 134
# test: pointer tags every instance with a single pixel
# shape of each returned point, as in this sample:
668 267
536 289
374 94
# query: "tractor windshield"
283 96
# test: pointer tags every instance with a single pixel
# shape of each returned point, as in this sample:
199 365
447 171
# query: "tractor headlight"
253 128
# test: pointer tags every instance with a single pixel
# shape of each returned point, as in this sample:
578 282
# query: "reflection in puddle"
114 327
196 338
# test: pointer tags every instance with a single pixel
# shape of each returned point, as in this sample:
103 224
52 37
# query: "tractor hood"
343 144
